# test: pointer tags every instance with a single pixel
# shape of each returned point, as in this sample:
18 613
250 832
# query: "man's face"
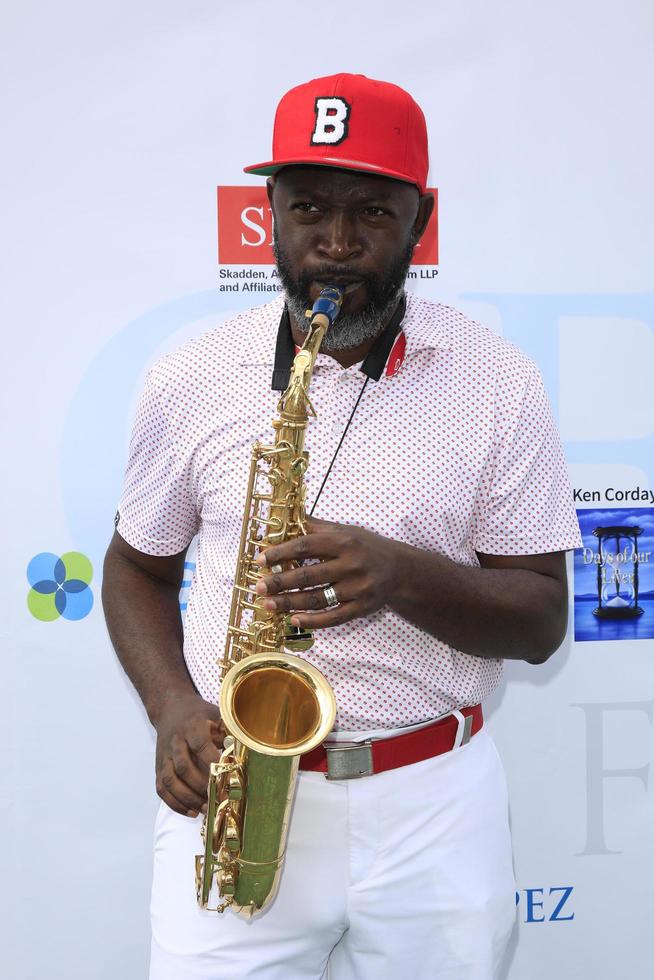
333 227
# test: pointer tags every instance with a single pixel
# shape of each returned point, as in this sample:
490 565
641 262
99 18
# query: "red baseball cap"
353 123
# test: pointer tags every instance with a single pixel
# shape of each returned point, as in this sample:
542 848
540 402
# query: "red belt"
353 759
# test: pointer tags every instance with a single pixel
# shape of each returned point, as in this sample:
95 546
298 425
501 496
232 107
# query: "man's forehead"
326 180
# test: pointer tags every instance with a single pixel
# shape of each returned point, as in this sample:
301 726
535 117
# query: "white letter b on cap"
331 121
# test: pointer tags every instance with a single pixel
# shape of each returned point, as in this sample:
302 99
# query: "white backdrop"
119 122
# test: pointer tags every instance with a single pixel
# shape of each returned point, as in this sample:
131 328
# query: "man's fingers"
175 805
304 577
313 600
206 744
191 770
340 614
326 544
174 790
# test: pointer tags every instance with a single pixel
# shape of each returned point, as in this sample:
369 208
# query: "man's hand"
141 602
190 734
359 565
509 607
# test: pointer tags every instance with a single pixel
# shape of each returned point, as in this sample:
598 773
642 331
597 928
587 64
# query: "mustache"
326 273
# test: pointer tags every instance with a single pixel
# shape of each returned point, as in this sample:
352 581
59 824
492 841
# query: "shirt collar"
372 366
422 333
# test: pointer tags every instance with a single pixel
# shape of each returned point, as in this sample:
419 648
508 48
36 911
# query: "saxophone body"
274 705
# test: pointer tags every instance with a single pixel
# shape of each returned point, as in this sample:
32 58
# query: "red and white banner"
245 228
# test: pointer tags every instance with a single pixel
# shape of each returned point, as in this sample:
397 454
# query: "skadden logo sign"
245 239
244 226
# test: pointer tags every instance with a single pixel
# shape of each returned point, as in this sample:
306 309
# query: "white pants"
407 873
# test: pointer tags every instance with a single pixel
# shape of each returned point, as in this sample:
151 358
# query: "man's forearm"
513 606
140 593
515 613
145 627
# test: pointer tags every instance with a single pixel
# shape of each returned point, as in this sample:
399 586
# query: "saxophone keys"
235 786
232 838
227 884
296 638
199 873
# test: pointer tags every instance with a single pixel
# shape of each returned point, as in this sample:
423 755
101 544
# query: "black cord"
329 468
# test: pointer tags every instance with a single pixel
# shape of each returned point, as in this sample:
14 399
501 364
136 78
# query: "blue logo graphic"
60 586
187 582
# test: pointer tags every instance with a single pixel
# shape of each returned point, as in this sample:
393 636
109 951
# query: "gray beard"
349 329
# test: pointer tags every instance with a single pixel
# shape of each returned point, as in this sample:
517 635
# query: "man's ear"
270 186
425 209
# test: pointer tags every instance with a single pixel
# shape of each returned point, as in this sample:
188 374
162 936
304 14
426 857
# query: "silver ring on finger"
330 595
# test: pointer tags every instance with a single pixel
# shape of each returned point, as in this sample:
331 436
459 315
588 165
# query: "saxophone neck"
295 399
294 403
304 360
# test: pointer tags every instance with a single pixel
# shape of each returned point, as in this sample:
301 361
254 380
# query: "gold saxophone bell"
275 706
280 705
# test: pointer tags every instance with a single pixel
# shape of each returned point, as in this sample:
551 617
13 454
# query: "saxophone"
274 705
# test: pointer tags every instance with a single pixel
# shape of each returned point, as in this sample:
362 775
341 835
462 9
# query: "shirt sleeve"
525 501
157 513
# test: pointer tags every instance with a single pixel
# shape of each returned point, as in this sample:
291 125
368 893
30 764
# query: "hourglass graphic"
617 573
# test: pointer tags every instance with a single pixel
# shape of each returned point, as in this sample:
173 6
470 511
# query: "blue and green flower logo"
60 586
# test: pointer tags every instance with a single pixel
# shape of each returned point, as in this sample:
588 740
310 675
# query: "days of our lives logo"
245 230
614 574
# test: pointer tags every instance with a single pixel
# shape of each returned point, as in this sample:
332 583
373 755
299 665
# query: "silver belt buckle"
349 761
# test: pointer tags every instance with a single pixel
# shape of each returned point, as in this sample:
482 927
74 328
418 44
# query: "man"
437 475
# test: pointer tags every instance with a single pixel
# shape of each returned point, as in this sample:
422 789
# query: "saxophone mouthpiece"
328 303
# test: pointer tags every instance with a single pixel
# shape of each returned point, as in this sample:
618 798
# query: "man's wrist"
401 574
167 697
414 570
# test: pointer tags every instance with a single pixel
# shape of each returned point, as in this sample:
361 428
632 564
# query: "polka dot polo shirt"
457 453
